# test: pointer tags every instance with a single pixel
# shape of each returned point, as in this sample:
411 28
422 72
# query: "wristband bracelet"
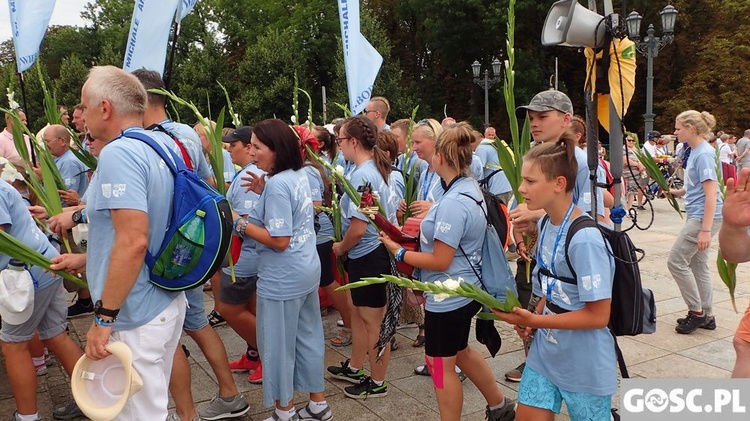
400 254
239 227
101 322
84 216
234 224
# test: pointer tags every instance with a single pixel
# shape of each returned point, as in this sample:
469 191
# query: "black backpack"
633 310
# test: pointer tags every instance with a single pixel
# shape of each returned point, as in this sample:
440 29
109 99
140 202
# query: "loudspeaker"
571 25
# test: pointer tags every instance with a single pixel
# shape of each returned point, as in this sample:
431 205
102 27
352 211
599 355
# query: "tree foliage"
255 48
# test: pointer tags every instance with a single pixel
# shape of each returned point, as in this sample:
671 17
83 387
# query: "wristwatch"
77 217
101 311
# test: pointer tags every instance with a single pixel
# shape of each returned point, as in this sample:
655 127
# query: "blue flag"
183 9
361 60
149 35
28 22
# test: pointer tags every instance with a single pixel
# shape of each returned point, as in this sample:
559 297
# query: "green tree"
73 73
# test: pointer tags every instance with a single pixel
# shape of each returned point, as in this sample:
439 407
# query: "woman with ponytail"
574 310
366 257
688 259
452 233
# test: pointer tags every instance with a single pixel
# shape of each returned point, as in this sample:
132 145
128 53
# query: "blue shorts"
195 316
539 392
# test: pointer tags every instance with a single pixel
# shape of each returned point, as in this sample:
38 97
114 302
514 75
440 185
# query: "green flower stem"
16 249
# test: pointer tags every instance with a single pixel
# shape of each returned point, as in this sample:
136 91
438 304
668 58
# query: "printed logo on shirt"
249 204
107 190
443 227
118 190
707 172
276 223
68 182
586 281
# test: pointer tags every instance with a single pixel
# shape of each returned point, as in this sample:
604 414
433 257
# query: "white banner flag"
28 22
183 9
149 35
361 60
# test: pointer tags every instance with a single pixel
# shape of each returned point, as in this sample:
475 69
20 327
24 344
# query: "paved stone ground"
707 354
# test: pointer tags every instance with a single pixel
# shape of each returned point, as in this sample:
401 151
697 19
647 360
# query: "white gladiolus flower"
452 284
439 283
10 174
294 119
11 102
339 170
440 297
507 64
3 161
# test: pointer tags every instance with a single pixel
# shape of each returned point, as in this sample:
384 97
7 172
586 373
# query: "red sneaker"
256 377
244 364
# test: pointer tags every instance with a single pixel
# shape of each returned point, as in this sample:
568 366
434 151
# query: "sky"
67 12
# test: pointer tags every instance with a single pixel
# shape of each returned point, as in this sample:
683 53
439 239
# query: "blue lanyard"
427 184
540 261
238 173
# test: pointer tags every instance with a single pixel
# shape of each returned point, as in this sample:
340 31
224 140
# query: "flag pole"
28 115
176 33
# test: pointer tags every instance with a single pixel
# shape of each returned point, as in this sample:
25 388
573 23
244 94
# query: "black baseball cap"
242 134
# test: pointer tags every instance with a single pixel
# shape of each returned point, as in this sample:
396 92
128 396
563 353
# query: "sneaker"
41 370
243 364
340 323
366 389
344 373
709 324
256 377
17 417
219 408
215 319
515 374
174 417
691 323
67 412
506 413
79 309
306 414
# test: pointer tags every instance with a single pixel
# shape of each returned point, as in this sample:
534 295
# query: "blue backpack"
199 231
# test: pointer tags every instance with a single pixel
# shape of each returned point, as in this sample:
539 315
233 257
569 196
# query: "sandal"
344 338
420 339
394 344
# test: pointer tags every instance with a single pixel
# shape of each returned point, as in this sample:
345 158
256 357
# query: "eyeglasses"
340 139
366 111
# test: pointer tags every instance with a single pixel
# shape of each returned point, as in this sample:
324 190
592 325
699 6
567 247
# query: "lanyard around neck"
427 184
540 261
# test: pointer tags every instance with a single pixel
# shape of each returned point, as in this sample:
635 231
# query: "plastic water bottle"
187 247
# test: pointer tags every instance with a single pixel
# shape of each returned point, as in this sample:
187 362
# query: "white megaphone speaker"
571 25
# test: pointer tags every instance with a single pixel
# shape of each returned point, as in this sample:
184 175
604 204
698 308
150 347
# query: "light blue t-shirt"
700 167
73 172
286 210
17 221
559 354
130 175
499 182
243 203
414 160
317 188
429 187
229 169
396 191
192 143
476 167
454 220
362 174
347 165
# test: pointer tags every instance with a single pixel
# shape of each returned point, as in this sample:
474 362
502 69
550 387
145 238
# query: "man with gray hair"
743 151
73 172
128 210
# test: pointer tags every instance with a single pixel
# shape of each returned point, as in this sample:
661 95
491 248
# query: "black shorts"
326 263
447 333
239 292
375 263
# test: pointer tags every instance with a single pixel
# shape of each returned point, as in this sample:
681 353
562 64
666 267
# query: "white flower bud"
294 119
451 284
440 297
339 170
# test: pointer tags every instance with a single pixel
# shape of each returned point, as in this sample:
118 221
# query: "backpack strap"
183 151
486 180
487 219
174 163
578 224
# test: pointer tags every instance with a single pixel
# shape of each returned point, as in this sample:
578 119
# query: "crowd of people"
286 251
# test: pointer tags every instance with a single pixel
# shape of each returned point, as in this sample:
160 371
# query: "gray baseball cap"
547 101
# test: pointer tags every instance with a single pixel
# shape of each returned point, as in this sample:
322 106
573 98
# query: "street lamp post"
650 47
487 82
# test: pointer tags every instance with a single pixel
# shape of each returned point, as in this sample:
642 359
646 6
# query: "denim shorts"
195 315
539 392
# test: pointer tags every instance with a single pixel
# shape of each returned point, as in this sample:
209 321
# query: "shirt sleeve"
706 167
5 218
122 180
593 265
278 214
450 222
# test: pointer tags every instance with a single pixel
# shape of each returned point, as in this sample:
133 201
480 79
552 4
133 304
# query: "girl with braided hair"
366 257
